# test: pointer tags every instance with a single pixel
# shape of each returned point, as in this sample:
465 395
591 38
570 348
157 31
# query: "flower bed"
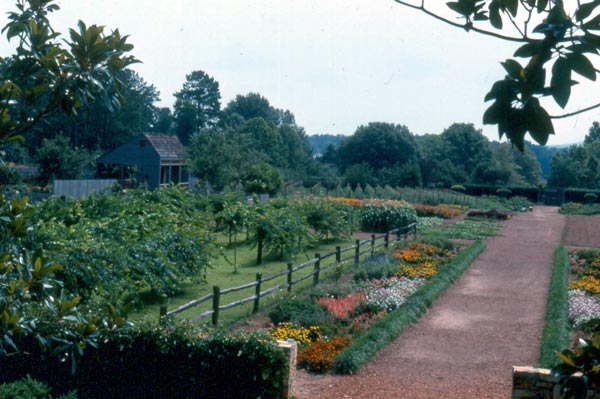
584 289
347 310
442 211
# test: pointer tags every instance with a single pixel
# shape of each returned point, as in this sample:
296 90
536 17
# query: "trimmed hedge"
556 330
393 324
152 362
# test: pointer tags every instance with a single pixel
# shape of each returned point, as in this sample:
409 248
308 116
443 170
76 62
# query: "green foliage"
28 388
377 267
56 159
503 192
302 311
262 178
49 72
590 198
158 361
382 216
8 175
573 208
118 245
394 323
468 230
556 330
328 217
279 230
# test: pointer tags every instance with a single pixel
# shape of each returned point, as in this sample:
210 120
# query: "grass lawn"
222 275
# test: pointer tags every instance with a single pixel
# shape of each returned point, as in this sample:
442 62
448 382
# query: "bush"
302 311
8 175
503 192
382 216
167 362
28 388
590 198
377 267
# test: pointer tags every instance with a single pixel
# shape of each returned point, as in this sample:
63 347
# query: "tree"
57 160
465 146
253 105
378 145
45 75
593 134
561 42
162 120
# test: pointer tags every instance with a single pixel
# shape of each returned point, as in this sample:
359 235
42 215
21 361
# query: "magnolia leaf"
582 65
561 82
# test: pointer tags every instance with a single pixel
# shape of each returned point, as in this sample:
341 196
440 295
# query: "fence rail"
360 248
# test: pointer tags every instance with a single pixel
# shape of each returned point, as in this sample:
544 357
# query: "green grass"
556 330
469 229
223 275
393 324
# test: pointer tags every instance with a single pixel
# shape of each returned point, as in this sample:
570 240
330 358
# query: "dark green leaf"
495 18
527 50
512 6
561 82
541 5
457 7
514 69
492 115
582 65
539 122
585 10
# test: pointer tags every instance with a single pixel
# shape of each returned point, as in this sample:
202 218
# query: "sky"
336 64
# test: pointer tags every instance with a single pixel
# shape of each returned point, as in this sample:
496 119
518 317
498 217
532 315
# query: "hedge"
152 362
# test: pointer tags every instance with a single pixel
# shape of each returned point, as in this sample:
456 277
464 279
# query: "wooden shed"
153 159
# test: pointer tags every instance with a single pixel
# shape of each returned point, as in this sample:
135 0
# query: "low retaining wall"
534 383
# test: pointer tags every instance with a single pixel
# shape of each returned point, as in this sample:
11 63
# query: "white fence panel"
81 188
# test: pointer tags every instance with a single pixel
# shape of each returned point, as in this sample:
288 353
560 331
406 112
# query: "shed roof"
167 146
144 149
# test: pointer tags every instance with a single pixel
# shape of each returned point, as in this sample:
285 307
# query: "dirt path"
465 346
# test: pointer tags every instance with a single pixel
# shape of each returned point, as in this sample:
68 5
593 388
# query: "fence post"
289 277
338 254
257 292
386 240
317 269
415 232
357 254
216 300
163 311
372 244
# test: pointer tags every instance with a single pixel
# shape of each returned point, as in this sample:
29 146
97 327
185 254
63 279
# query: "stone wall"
534 383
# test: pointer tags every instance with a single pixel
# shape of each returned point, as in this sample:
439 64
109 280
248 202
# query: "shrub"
590 198
376 268
156 362
382 216
28 388
303 311
458 187
503 192
8 175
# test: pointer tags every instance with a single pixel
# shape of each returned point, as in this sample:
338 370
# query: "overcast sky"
336 64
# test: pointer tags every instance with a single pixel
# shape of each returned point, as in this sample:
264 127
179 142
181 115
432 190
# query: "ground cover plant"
444 211
576 208
469 229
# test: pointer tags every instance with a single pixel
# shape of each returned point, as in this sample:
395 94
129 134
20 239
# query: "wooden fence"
320 263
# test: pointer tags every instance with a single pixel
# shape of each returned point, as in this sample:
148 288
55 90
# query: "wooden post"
415 232
386 240
372 244
289 277
338 254
163 311
317 269
216 300
257 292
357 254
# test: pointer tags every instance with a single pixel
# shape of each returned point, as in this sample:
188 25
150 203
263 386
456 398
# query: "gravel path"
465 345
